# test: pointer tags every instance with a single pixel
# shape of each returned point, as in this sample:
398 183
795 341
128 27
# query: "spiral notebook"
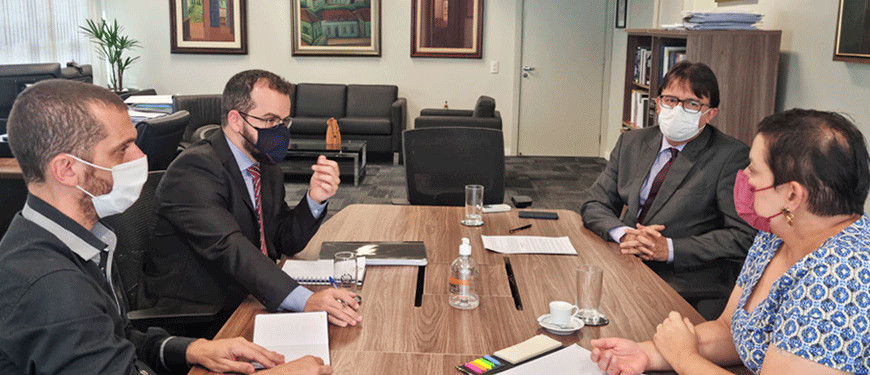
315 272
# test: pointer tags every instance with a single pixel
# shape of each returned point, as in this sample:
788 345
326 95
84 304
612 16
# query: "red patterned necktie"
657 184
255 174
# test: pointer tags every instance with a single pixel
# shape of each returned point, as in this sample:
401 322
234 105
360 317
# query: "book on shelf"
642 64
639 108
671 55
380 253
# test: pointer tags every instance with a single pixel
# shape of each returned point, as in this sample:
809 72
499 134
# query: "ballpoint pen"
333 283
527 226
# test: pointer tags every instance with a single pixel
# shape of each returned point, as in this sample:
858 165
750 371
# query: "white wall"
640 16
425 82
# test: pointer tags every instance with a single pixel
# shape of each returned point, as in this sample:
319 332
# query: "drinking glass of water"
473 206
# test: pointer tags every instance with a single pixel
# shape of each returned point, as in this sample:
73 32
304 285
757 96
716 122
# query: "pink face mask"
744 203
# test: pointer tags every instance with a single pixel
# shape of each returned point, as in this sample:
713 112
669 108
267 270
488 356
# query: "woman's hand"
675 339
619 356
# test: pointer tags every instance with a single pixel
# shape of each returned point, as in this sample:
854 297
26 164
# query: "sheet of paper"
529 245
149 99
573 360
294 334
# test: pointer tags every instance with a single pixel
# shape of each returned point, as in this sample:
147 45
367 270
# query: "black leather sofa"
373 113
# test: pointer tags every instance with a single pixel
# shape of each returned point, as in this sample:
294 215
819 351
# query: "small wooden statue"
333 136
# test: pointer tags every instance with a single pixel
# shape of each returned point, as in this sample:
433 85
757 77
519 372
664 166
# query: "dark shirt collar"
86 244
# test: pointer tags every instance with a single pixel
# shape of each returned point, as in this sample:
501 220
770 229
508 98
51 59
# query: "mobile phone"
539 215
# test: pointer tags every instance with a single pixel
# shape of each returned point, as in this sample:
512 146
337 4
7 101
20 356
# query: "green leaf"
111 45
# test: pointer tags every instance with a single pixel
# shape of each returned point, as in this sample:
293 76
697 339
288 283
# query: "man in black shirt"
59 312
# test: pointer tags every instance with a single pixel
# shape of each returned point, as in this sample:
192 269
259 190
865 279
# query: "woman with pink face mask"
802 301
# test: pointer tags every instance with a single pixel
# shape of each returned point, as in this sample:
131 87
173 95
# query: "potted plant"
111 45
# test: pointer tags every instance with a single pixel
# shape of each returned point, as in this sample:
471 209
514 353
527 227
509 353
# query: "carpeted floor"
551 182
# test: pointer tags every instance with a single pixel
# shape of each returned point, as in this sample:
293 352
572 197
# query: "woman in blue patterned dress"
802 301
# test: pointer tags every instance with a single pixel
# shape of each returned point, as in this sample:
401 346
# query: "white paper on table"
529 245
573 360
294 334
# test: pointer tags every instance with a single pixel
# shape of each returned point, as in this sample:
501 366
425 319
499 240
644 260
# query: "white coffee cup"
561 312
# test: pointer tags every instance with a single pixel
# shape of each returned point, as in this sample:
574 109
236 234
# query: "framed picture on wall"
208 26
336 27
852 43
621 12
447 28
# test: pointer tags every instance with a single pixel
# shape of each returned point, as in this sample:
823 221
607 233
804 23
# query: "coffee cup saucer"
573 325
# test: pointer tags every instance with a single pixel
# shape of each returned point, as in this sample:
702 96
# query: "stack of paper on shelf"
731 20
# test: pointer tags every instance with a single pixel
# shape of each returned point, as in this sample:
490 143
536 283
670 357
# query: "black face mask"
272 144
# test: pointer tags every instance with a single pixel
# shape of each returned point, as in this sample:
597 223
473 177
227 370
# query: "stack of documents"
143 107
734 20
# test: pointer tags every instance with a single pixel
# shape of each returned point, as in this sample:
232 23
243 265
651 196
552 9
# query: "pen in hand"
527 226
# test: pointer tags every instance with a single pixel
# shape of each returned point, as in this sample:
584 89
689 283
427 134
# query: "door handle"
527 68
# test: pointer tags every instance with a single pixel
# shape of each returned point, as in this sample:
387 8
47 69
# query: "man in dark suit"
223 220
677 181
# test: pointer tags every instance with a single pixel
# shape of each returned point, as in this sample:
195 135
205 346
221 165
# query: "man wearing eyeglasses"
223 220
676 180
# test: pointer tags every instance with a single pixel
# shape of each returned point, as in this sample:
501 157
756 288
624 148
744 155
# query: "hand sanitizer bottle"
463 279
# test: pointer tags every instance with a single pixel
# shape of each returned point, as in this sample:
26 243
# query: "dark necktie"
657 184
255 175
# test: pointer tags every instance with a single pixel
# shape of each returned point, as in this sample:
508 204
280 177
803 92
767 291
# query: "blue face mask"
272 144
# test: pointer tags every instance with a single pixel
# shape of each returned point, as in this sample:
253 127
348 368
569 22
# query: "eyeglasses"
689 105
272 121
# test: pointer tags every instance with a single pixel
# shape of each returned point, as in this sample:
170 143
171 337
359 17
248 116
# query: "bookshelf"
745 63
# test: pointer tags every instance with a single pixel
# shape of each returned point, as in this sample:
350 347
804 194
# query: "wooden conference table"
396 337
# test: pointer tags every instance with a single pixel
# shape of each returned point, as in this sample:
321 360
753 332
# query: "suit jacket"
695 202
205 248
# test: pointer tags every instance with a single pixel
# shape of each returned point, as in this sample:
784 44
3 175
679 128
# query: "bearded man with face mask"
223 220
676 182
62 308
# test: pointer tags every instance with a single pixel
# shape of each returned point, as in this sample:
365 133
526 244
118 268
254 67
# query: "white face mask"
127 178
677 124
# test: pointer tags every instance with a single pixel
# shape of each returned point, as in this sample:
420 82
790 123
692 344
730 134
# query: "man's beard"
251 147
95 186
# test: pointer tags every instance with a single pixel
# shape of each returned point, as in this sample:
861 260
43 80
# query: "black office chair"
14 193
159 138
439 162
143 92
133 228
204 110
